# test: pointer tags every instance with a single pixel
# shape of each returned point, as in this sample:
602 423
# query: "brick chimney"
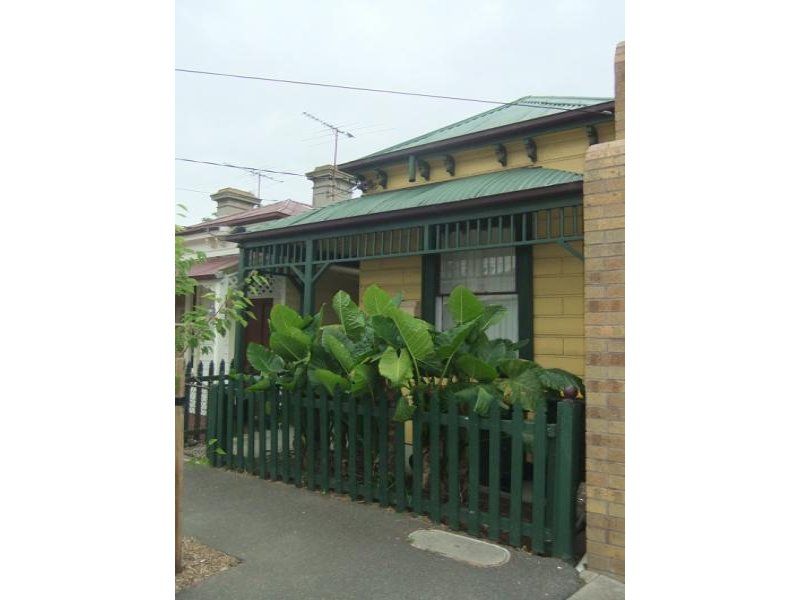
231 201
330 185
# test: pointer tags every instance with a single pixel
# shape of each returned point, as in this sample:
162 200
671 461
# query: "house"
523 204
234 208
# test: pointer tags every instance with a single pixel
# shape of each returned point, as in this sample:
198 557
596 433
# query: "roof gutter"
449 208
539 125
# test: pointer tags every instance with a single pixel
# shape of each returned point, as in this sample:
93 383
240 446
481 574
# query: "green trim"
430 279
566 245
308 279
394 222
412 168
524 282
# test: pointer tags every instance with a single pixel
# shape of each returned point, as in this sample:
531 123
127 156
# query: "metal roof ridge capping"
496 183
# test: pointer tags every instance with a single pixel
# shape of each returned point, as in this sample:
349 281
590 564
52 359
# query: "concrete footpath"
297 544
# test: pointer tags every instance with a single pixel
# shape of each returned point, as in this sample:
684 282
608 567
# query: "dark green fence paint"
539 478
435 504
445 445
337 441
515 535
474 471
262 405
383 450
494 472
311 465
240 403
453 519
274 417
325 444
285 397
367 434
297 423
400 466
352 445
251 431
229 427
417 460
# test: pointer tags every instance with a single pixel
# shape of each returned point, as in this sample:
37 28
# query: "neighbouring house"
523 204
219 270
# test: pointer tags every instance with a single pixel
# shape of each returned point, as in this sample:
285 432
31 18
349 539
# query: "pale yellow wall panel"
554 286
573 305
548 306
563 326
548 345
393 275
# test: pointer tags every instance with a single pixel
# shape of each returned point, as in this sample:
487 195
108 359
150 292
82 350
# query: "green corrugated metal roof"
541 106
432 194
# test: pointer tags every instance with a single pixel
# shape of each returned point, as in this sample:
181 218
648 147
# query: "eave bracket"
568 247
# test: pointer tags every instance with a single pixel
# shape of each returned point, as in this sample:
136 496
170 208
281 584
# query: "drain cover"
459 547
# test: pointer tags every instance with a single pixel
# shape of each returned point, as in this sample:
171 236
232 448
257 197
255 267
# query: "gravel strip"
201 562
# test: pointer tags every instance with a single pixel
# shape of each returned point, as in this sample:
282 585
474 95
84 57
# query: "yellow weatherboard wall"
563 150
558 308
393 275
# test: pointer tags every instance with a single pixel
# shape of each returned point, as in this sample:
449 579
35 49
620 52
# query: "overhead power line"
553 106
240 167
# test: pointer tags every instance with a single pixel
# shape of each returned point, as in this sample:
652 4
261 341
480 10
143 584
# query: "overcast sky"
497 50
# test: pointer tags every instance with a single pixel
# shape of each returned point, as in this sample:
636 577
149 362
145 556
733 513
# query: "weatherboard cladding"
467 188
507 114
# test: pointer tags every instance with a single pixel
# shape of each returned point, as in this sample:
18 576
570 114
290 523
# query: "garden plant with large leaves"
381 349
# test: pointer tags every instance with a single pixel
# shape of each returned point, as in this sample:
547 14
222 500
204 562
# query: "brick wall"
604 249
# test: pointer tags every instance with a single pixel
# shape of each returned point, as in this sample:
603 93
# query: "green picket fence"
466 471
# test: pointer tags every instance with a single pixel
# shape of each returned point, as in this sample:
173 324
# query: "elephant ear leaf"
558 380
362 379
261 384
263 359
329 380
481 396
351 318
475 368
492 314
464 305
522 386
376 301
414 333
281 317
404 410
396 368
338 349
290 343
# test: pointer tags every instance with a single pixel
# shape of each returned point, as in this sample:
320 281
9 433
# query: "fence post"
566 476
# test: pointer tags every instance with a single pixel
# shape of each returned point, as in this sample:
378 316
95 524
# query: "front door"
257 330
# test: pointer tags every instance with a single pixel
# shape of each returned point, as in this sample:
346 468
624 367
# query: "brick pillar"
604 276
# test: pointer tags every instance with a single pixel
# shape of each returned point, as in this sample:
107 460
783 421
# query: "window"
490 275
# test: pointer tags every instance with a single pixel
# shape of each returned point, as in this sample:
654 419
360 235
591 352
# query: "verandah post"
308 279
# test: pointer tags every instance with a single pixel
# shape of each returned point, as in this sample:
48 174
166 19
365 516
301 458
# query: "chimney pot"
330 185
231 201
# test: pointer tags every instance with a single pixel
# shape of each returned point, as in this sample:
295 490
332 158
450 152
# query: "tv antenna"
258 173
336 132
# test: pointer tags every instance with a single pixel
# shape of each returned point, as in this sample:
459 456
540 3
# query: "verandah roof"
430 195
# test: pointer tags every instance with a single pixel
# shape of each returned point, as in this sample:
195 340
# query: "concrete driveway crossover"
298 544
